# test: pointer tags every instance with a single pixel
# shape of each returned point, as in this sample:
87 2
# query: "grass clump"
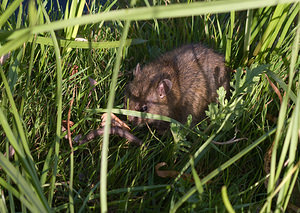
242 158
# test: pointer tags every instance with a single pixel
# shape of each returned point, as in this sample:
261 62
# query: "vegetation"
242 158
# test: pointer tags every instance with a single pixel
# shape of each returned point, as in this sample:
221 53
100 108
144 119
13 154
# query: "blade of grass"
137 114
87 44
70 13
37 205
145 13
294 125
268 43
14 192
283 85
229 37
197 180
293 170
258 22
4 4
290 193
247 34
79 14
32 13
59 107
75 11
3 207
28 75
16 43
292 155
226 200
8 182
281 119
19 19
9 11
268 32
280 125
14 70
103 176
287 25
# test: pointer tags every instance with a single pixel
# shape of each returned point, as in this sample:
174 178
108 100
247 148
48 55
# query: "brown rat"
181 82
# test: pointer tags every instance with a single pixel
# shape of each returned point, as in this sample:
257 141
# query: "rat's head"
148 92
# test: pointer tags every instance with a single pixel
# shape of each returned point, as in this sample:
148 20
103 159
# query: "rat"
180 82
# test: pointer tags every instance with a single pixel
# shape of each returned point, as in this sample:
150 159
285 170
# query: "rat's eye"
144 108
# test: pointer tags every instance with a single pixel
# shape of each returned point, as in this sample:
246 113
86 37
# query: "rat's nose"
144 108
134 120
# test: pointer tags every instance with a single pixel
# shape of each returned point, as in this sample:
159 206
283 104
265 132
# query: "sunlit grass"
256 37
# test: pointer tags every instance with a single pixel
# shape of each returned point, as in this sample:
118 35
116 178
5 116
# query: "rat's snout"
135 120
140 107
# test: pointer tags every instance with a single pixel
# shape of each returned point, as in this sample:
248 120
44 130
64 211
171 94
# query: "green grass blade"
15 193
16 43
71 198
295 170
28 76
3 207
9 11
275 28
11 138
135 113
290 192
70 14
229 37
197 180
263 43
293 142
46 165
283 85
103 180
281 119
259 21
59 108
87 44
247 34
280 125
226 200
158 12
14 174
19 19
287 25
32 13
4 4
79 14
294 124
59 115
14 70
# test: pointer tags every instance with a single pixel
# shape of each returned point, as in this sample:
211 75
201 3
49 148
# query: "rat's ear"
137 70
164 87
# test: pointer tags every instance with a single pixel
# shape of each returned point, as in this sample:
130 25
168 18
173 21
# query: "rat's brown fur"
181 82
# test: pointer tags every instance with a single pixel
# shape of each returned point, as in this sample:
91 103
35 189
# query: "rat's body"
181 82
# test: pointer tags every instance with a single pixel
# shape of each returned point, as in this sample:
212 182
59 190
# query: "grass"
47 173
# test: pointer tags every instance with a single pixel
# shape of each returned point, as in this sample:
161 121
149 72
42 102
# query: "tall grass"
258 39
